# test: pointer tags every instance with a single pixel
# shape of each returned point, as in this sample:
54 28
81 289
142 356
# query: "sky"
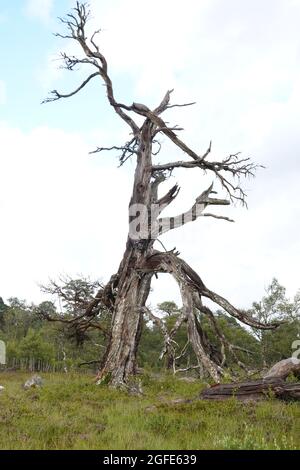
63 211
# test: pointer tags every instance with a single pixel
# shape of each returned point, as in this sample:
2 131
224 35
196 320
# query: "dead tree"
125 295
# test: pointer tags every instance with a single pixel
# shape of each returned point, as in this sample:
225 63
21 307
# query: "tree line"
34 343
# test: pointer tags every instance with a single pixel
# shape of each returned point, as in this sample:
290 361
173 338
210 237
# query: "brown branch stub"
164 103
169 197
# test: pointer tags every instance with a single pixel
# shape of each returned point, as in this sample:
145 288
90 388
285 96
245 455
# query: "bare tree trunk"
132 287
119 361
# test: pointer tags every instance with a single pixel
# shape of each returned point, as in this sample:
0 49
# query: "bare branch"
233 165
164 103
196 335
127 150
242 316
162 129
168 347
56 95
180 105
76 24
221 217
88 363
224 342
180 269
187 369
76 296
169 197
202 201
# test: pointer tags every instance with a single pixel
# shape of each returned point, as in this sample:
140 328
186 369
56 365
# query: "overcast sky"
64 211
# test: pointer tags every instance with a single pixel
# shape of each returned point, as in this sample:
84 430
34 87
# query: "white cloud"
240 62
39 9
60 209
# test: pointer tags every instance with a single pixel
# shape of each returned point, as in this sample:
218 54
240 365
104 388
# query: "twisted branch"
76 24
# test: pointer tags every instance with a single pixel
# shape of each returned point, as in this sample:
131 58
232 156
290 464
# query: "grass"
71 412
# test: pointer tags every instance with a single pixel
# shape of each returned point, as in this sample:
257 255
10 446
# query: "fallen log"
254 390
271 385
284 368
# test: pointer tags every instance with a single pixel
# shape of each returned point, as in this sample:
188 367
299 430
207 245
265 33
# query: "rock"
151 408
33 382
1 387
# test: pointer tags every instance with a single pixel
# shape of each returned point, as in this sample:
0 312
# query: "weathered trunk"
133 286
254 390
272 384
120 358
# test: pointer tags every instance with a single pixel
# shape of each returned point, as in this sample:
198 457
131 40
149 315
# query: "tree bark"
283 368
119 361
132 287
254 390
272 384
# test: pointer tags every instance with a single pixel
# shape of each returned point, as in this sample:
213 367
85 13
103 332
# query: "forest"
35 344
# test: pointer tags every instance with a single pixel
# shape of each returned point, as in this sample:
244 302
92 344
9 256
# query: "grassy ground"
71 412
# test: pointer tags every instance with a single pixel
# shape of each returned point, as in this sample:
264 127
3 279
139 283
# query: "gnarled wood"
254 390
126 293
284 368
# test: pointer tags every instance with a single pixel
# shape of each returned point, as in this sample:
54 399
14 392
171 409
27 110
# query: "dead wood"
284 368
254 390
126 293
